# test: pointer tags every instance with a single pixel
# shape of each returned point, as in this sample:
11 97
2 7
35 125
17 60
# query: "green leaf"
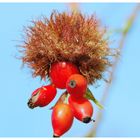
127 26
89 95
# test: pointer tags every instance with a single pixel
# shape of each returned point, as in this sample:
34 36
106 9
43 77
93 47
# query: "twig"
127 27
74 7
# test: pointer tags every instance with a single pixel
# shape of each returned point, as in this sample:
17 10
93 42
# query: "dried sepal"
62 99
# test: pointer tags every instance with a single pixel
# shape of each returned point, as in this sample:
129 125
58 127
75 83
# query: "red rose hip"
62 119
42 96
76 85
60 72
82 108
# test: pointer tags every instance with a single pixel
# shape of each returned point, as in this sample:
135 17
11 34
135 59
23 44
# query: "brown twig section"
127 27
74 7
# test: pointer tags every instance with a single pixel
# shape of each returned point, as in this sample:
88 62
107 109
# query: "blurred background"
121 116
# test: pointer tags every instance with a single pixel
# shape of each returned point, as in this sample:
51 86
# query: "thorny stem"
127 27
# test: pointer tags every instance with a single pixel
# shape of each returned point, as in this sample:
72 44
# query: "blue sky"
122 113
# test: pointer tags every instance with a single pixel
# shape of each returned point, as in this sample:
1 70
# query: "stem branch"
127 27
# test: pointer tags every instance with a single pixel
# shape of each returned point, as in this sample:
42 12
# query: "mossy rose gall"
70 37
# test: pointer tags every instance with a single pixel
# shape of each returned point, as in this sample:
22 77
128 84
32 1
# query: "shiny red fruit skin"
81 107
80 85
60 72
36 91
46 95
62 119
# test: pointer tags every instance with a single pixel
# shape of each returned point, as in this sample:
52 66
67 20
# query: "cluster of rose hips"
64 75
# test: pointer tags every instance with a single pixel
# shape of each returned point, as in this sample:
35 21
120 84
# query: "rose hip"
42 96
62 119
82 108
76 85
60 72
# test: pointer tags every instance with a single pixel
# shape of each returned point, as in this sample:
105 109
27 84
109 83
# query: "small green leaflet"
90 96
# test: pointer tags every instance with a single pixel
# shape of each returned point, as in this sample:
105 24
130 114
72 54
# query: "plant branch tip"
93 120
